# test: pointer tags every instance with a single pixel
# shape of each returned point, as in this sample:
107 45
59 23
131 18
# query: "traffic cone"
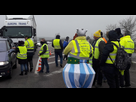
50 52
39 66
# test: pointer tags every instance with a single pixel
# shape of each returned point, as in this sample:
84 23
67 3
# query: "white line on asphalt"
55 72
133 62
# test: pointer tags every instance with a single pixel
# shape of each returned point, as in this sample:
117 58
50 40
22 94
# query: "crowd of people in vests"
87 64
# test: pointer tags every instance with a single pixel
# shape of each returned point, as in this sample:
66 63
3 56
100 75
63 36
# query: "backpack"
122 58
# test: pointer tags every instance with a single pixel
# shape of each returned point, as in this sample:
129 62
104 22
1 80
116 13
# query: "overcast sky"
66 25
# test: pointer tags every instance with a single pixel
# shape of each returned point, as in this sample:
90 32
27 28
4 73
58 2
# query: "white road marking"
55 72
133 62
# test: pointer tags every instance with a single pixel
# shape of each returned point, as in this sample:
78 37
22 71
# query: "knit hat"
97 34
81 32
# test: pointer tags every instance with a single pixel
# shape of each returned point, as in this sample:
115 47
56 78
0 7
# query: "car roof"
3 39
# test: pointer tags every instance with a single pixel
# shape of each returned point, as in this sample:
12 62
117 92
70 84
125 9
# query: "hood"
67 38
57 36
3 56
113 36
118 30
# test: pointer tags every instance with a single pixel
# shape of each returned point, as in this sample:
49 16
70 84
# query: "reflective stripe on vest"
82 49
113 54
23 52
127 43
96 49
46 54
56 43
30 44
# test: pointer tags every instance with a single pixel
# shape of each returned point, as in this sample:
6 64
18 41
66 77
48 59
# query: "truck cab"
17 27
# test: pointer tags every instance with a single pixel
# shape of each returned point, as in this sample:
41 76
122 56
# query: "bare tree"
111 27
128 24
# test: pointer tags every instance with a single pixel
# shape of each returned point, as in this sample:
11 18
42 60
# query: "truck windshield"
3 46
17 32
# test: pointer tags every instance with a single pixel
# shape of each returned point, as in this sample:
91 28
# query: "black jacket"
113 36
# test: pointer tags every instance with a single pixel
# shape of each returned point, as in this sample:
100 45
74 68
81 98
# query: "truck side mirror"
34 32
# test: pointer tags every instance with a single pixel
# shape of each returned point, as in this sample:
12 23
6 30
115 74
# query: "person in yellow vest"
30 51
128 44
78 73
22 56
58 47
111 73
98 47
44 54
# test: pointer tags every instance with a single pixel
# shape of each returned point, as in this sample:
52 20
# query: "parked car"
8 58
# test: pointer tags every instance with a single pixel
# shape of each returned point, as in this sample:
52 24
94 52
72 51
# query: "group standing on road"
86 62
102 55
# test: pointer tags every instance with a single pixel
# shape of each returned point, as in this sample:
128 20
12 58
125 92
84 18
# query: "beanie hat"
98 33
81 32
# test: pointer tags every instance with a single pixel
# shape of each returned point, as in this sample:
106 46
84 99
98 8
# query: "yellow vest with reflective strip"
82 49
96 48
29 44
127 43
56 43
46 54
113 54
23 52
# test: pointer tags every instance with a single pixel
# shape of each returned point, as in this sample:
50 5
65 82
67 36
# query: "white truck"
17 27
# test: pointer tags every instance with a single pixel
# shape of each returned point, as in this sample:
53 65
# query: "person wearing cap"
78 73
30 51
98 47
21 51
58 48
128 44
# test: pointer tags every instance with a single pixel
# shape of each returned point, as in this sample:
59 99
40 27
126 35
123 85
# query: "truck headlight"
4 63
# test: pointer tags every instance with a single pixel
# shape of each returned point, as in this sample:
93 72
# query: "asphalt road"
52 80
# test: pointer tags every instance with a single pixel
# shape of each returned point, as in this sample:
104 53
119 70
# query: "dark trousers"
112 75
44 62
98 75
56 58
30 62
126 77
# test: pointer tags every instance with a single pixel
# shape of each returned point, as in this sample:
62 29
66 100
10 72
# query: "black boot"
21 73
25 72
31 69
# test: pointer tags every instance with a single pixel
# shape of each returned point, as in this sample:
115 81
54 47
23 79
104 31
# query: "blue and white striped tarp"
78 75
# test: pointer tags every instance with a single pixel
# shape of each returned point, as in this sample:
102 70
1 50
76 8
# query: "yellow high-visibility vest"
128 44
23 52
29 44
113 54
82 49
46 54
56 43
96 48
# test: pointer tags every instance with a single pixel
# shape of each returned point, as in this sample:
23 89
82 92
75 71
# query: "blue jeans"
56 58
44 62
23 65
